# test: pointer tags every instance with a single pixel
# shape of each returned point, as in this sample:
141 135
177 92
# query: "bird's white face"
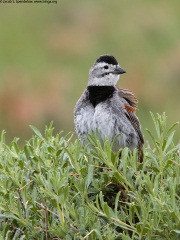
104 74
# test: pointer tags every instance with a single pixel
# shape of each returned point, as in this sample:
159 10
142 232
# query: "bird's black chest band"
99 94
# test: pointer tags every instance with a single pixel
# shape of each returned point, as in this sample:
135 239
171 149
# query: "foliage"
56 189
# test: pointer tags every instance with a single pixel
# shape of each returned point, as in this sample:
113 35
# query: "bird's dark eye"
105 67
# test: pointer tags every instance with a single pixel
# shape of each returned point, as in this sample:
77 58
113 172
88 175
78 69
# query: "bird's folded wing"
129 97
135 123
130 105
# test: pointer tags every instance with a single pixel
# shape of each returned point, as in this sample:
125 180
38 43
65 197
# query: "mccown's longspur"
107 109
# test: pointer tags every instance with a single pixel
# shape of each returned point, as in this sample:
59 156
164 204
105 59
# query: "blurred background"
46 51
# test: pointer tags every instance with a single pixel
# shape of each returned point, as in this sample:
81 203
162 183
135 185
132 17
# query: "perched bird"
107 109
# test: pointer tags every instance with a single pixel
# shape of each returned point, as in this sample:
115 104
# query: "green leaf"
90 175
169 141
156 124
3 136
117 202
36 131
176 231
152 137
173 126
6 216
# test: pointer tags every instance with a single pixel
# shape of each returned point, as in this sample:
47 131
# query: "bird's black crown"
107 59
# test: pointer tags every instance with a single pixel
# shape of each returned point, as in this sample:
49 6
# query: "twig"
175 162
46 225
88 234
21 232
86 159
21 201
26 185
20 197
96 166
69 139
44 207
46 218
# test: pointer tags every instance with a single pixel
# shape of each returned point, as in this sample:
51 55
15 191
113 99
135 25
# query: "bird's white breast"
100 119
108 119
104 121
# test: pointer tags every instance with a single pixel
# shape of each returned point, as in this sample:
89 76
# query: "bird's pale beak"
118 70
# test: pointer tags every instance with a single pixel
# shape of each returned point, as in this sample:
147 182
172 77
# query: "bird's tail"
140 155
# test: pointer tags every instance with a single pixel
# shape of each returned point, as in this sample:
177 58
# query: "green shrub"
54 188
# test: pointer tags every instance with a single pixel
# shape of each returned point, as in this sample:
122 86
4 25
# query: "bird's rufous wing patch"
129 108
